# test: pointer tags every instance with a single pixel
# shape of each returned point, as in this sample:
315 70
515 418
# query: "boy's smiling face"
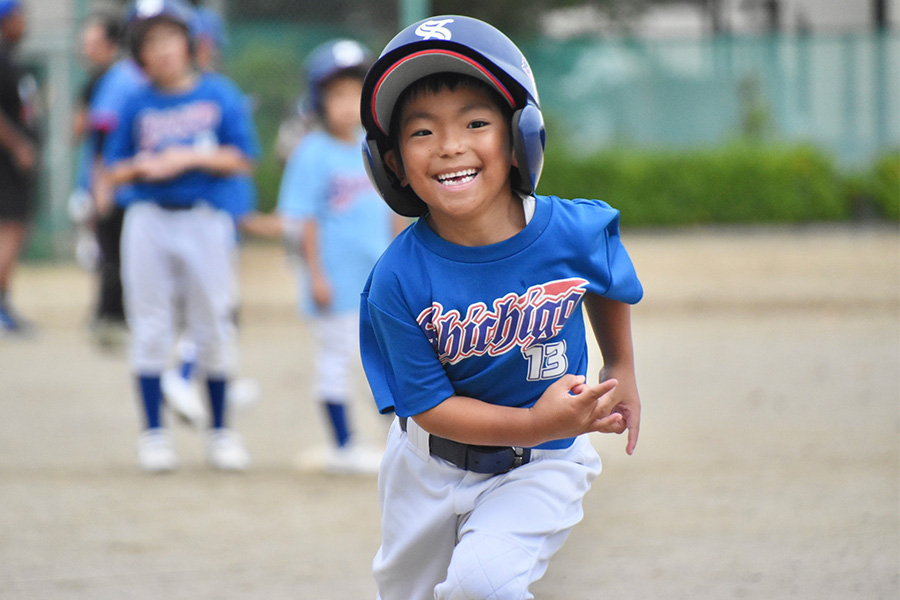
456 156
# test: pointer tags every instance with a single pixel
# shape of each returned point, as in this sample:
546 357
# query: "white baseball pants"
167 254
338 365
450 534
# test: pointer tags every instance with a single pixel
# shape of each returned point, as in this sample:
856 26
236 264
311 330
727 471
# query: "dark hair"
436 82
112 24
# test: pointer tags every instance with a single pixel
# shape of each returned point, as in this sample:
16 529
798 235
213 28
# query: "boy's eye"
420 133
478 123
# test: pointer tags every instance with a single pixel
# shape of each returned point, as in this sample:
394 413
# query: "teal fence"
838 92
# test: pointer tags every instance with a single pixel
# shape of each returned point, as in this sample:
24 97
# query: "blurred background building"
644 74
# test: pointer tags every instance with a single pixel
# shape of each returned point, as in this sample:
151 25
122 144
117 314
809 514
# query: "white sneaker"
183 397
242 393
353 459
225 450
156 454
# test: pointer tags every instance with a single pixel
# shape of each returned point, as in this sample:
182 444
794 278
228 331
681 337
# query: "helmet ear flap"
528 140
401 199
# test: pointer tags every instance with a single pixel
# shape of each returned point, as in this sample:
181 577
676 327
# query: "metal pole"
413 10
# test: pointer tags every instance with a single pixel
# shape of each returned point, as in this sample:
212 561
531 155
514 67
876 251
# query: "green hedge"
884 189
732 184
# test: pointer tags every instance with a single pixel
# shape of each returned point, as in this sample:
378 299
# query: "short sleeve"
611 272
237 128
390 346
119 143
302 189
112 92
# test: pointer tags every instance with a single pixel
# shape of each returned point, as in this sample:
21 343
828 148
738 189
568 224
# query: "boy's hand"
161 166
627 403
570 407
321 293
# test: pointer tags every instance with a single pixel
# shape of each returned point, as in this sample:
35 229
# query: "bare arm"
309 249
611 322
17 143
174 161
262 225
569 407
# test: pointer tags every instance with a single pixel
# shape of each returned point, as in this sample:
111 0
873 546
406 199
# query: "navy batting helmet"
453 44
143 12
331 59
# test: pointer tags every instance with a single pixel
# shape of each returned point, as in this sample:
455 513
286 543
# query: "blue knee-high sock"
216 389
337 417
151 394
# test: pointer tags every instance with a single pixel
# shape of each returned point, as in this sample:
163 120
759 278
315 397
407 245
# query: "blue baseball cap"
8 7
208 25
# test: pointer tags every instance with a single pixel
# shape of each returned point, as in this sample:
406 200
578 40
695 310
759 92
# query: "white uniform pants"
167 254
451 534
337 364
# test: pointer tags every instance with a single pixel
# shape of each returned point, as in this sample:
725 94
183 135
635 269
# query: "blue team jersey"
104 114
212 114
499 323
325 179
113 89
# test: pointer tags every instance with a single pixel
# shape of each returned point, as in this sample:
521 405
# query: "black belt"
176 206
478 459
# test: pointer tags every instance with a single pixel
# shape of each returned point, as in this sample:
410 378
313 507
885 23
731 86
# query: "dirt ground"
768 464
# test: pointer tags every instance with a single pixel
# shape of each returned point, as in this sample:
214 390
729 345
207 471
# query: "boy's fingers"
598 390
613 423
632 438
570 382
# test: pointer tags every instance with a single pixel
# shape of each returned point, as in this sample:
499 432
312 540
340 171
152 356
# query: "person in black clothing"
18 160
102 38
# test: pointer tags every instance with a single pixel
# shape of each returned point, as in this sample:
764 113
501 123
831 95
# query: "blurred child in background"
180 137
343 228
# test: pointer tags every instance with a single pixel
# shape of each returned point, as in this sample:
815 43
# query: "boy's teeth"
457 177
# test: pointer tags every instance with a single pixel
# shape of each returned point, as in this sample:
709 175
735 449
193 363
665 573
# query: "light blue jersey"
211 114
325 180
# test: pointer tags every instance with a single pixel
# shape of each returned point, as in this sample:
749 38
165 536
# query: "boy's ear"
392 160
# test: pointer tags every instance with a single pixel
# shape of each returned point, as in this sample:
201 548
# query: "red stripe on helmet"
462 57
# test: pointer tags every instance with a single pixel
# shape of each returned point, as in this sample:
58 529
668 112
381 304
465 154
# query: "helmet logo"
147 8
434 30
348 54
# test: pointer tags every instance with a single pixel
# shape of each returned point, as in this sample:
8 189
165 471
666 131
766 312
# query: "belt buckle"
519 456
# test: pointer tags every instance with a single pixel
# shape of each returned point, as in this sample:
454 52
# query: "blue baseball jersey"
325 179
212 113
499 323
114 88
112 91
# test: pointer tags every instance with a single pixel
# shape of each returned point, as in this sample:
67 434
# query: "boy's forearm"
611 322
119 173
309 246
224 160
471 421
